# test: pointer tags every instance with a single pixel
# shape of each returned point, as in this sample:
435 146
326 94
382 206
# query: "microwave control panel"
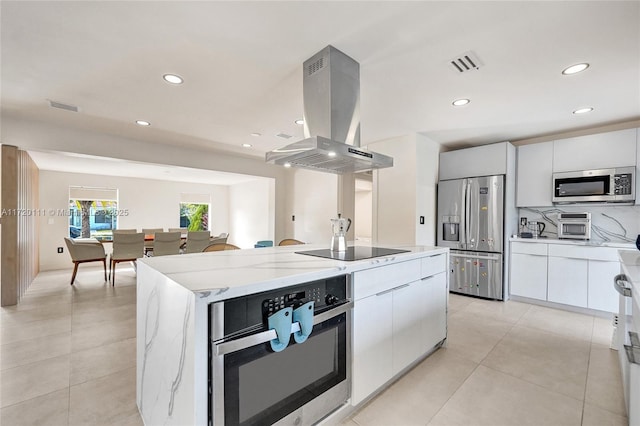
622 183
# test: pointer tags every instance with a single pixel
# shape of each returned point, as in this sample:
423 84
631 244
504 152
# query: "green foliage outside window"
194 217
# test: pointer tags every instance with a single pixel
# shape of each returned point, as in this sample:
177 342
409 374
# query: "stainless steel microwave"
600 186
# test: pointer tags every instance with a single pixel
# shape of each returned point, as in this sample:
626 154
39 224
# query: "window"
194 212
194 216
92 212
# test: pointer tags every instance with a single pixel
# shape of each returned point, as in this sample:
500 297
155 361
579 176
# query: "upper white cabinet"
535 166
598 151
482 160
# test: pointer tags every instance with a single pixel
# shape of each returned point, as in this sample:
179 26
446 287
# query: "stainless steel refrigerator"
471 223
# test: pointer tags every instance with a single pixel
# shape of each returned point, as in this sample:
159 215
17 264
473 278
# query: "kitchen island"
175 293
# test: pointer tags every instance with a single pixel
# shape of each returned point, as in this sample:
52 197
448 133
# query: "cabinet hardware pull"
427 278
392 289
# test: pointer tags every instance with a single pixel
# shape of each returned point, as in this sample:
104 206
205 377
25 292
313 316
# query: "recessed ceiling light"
300 121
173 79
574 69
331 154
583 110
143 123
256 134
287 165
460 102
247 145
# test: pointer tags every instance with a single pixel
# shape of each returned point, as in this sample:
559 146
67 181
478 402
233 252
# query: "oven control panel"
252 310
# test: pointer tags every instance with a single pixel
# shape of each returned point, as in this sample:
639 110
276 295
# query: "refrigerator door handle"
467 213
468 256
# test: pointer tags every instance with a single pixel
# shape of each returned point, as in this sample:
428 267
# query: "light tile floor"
67 357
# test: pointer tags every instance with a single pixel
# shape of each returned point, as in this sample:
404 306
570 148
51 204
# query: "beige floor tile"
134 420
49 409
102 334
11 333
102 361
104 401
33 380
349 422
508 311
458 302
9 316
604 383
102 315
555 362
492 398
602 330
559 322
32 350
471 338
594 416
418 396
38 301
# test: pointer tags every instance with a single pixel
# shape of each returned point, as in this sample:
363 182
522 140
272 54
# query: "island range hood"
331 95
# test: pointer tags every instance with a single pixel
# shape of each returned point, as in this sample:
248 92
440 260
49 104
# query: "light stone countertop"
226 274
630 262
588 243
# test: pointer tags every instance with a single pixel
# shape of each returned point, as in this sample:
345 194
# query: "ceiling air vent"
467 61
284 136
60 105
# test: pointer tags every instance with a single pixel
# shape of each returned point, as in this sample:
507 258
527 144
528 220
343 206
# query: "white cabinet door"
534 176
602 295
482 160
435 319
372 345
637 166
529 276
598 151
409 308
567 281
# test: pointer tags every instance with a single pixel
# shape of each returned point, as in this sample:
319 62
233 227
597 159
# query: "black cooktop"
353 253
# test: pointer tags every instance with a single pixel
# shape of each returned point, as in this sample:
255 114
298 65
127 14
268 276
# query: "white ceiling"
242 65
78 163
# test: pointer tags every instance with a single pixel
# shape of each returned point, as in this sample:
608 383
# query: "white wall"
427 155
364 215
150 204
251 212
315 202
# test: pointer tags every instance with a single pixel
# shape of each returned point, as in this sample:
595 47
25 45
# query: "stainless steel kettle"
340 226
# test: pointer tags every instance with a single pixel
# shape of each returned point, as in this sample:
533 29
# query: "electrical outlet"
421 220
293 218
523 221
60 249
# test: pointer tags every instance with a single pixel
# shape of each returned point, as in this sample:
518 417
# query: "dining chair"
181 230
124 231
83 251
148 245
166 243
126 248
197 241
289 242
220 247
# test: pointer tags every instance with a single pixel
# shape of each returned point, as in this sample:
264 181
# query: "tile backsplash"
608 223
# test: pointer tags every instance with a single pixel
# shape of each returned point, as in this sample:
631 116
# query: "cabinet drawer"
584 252
376 280
433 265
539 249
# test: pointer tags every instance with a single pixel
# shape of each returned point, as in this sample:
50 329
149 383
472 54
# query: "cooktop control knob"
330 299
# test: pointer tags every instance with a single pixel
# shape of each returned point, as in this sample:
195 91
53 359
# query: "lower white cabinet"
372 345
529 275
601 295
395 326
567 281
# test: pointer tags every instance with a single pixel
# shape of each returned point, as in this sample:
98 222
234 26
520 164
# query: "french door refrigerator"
471 224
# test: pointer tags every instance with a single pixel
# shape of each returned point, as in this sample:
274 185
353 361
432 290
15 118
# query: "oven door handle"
268 335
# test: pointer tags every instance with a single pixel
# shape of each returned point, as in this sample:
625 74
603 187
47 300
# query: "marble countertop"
590 243
220 275
630 262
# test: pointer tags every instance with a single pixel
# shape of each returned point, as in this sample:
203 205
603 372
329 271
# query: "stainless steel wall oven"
255 382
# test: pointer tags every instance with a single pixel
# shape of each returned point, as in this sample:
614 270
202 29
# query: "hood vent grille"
315 66
468 61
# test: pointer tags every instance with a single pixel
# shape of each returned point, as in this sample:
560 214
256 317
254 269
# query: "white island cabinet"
399 317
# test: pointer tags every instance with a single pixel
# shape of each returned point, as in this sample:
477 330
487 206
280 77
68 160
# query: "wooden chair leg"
113 276
104 264
75 271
